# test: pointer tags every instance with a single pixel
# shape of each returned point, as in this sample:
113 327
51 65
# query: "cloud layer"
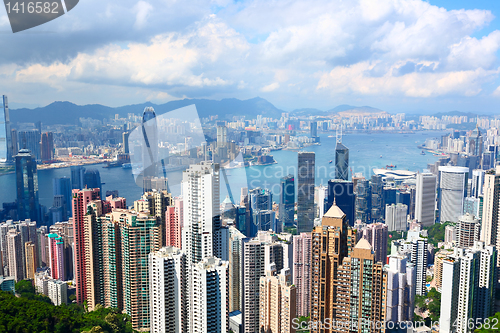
293 52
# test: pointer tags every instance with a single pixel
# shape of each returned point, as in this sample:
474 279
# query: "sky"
397 55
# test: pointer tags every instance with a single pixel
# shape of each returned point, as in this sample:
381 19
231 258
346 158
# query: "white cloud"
142 8
270 87
308 49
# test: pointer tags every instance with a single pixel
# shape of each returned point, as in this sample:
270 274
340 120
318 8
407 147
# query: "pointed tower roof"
363 244
335 211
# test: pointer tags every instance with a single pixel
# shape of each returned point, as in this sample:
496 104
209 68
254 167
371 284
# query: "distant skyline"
396 55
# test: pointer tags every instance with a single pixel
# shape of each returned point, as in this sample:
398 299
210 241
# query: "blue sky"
397 55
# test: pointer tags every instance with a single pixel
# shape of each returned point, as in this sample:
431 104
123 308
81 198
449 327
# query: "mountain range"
68 113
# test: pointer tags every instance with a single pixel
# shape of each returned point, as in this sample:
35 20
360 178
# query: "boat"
127 165
422 153
331 136
390 166
380 156
330 161
114 164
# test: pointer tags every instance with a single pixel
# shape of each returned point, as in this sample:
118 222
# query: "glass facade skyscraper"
342 191
305 195
5 132
341 161
27 186
287 200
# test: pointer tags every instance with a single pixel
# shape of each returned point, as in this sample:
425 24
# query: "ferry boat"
127 165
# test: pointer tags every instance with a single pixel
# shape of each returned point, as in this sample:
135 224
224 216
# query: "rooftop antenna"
339 134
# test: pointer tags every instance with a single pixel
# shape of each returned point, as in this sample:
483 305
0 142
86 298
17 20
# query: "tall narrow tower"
305 195
6 149
341 158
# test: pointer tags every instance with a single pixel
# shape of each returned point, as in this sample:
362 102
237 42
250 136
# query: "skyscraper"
360 291
400 289
376 234
47 144
287 200
201 228
6 149
31 261
305 187
419 252
363 201
235 264
491 208
16 262
77 179
331 243
208 299
341 159
396 217
30 140
277 301
56 257
167 291
425 202
27 186
342 192
468 230
477 183
62 186
92 179
79 206
302 246
453 190
468 293
261 205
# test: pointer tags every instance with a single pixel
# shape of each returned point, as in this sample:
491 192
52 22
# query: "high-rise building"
468 230
81 198
314 129
31 261
360 291
342 192
208 299
287 200
77 178
47 146
363 201
468 293
305 191
453 190
419 253
201 232
400 289
491 208
92 179
377 234
476 143
173 227
57 292
261 205
341 159
331 243
128 238
56 257
27 186
62 186
168 291
302 246
15 255
125 136
425 202
236 239
396 217
6 149
477 183
30 140
377 199
257 254
277 301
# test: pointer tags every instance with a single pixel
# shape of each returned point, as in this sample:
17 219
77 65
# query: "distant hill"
362 109
69 113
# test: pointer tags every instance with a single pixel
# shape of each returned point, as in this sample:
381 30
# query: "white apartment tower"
401 277
489 222
167 291
425 199
419 259
209 303
453 189
201 228
468 293
396 217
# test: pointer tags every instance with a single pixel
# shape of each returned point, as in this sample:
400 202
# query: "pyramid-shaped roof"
335 211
